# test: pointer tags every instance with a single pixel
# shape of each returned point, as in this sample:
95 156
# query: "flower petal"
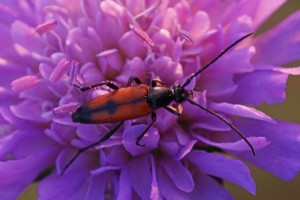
210 122
240 145
96 188
7 94
90 8
58 187
111 61
28 110
116 156
226 168
8 142
79 46
180 175
172 71
286 36
238 61
224 71
112 16
199 26
10 118
26 37
17 174
291 70
90 73
155 193
240 110
165 120
240 27
268 84
259 11
207 189
281 158
167 189
139 170
18 143
130 135
185 150
190 112
169 20
130 46
125 187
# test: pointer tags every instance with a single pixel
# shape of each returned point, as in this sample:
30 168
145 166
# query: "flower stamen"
47 26
186 36
62 66
143 37
24 82
64 109
73 71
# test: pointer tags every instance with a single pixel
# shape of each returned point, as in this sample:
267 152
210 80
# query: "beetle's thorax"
160 96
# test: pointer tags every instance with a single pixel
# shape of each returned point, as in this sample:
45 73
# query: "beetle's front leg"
174 110
138 139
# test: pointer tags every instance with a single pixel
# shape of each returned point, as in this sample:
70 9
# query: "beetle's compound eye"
191 94
188 94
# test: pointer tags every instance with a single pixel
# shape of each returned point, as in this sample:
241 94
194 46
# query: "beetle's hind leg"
107 83
80 151
138 139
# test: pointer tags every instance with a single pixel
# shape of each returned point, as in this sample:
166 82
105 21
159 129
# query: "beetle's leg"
156 81
80 151
107 83
138 139
173 110
133 79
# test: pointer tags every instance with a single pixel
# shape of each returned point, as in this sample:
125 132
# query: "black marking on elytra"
111 107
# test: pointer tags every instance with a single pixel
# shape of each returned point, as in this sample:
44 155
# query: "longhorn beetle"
139 100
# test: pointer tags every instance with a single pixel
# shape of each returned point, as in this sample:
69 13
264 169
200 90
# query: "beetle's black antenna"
225 121
214 60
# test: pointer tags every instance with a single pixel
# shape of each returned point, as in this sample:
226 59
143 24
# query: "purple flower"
47 46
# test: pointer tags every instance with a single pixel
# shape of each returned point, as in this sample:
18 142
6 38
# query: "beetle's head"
180 94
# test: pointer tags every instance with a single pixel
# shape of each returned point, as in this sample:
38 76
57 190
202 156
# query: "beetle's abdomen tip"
76 117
